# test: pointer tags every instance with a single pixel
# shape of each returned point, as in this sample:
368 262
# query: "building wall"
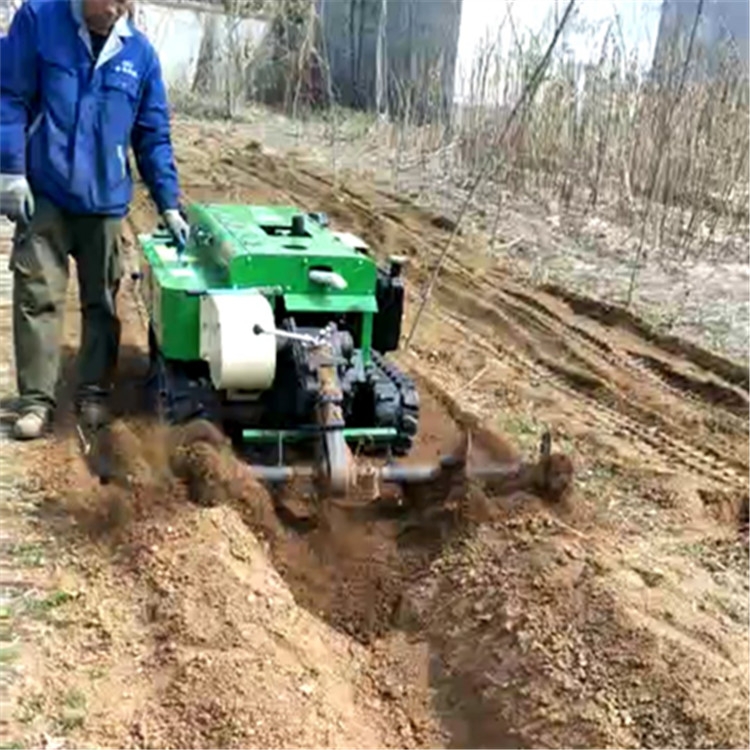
177 34
419 49
7 9
419 52
177 29
723 30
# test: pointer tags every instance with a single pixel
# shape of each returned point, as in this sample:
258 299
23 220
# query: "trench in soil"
347 565
480 621
351 569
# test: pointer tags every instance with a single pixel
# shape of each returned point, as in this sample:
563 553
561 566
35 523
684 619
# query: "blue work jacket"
66 121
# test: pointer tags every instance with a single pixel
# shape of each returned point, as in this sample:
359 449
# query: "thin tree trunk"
381 64
663 143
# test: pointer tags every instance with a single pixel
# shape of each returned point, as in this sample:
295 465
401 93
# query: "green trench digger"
276 328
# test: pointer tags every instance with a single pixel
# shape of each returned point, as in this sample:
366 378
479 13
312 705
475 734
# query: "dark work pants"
39 262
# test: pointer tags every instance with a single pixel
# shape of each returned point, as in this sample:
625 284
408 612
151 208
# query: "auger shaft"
549 477
391 473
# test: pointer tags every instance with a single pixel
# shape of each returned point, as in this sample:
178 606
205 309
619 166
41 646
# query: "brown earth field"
174 607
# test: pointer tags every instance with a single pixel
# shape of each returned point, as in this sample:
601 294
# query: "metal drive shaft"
393 473
550 476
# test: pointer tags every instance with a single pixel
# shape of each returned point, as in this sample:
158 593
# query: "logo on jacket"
126 67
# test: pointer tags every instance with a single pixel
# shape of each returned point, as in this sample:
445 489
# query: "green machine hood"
277 251
276 248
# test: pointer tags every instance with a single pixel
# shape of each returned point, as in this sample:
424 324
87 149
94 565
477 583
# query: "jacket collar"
120 31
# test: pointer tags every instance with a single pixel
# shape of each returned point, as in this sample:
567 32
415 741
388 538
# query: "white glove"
177 225
16 198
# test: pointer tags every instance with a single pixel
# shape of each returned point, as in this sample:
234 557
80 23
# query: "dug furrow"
673 450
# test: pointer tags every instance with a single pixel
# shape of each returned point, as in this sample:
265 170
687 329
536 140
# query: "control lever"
305 338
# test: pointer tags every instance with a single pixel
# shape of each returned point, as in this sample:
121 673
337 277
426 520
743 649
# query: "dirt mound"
545 641
227 657
244 664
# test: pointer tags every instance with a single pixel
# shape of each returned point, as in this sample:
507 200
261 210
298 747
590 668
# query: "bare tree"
203 80
381 63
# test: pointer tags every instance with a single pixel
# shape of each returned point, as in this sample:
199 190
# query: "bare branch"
526 96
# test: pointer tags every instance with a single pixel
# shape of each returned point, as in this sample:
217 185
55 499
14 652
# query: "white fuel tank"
238 358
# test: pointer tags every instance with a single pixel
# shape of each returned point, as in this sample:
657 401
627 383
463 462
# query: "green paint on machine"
238 247
351 434
250 271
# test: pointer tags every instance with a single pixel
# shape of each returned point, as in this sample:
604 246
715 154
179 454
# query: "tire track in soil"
609 380
727 396
607 418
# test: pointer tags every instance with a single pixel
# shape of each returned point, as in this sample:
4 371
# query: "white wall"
176 35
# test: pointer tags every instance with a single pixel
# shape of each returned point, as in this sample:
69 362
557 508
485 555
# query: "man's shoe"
31 425
93 413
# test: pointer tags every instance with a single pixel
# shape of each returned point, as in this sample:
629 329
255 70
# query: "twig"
471 382
527 94
567 527
626 183
508 245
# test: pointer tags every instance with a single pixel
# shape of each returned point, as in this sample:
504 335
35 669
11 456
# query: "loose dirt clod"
128 463
214 476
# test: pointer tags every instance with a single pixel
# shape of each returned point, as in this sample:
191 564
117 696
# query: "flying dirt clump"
153 469
202 458
140 483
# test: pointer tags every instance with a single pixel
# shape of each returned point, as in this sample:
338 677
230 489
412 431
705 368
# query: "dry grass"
665 156
670 150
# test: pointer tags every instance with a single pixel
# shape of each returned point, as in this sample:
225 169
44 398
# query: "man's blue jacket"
66 122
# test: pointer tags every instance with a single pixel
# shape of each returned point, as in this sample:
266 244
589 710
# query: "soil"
174 607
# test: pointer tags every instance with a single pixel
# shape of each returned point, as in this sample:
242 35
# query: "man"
79 86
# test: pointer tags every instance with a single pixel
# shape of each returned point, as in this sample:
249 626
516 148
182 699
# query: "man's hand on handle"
16 198
178 226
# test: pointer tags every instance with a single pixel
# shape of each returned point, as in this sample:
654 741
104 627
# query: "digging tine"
95 451
85 444
545 448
